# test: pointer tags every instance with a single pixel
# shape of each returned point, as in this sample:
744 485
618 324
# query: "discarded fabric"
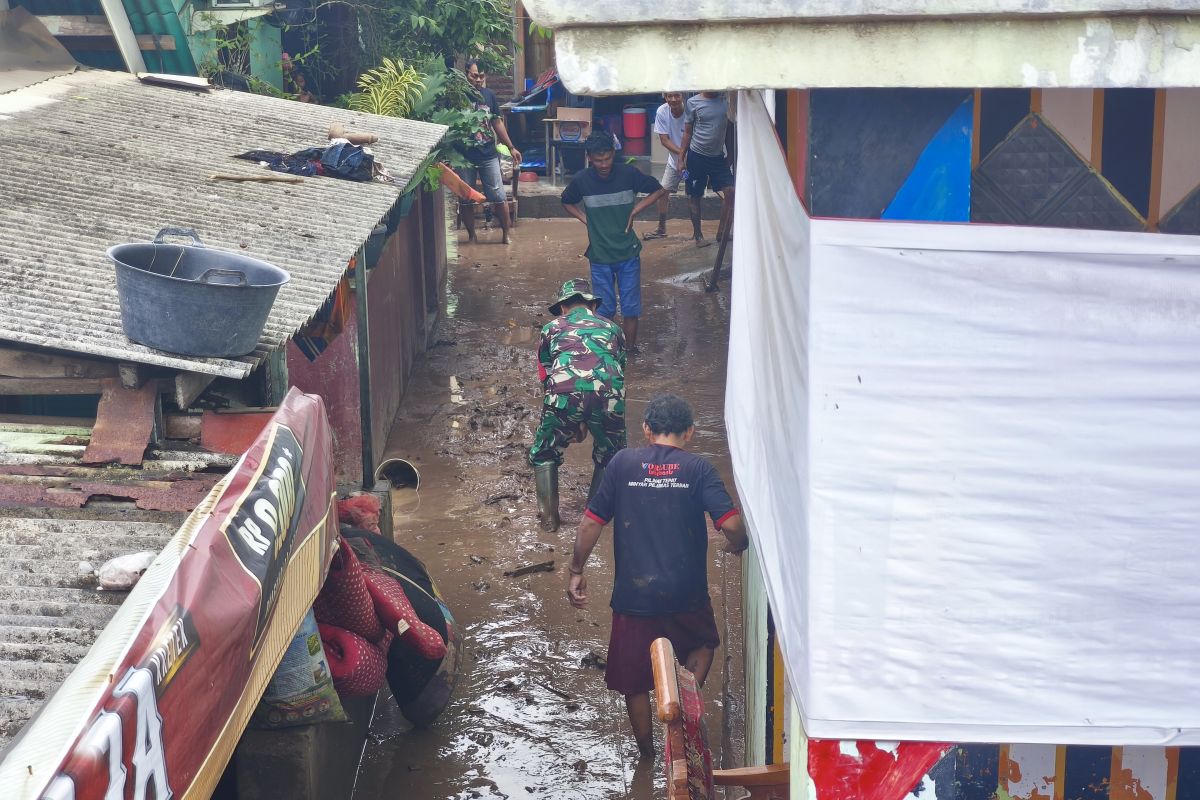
339 160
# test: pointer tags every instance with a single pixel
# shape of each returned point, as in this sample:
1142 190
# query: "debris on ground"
496 498
545 566
593 659
120 574
553 691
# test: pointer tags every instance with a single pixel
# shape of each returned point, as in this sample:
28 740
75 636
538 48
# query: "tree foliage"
429 92
481 29
391 89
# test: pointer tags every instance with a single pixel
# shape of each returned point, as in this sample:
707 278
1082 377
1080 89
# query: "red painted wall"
396 320
334 376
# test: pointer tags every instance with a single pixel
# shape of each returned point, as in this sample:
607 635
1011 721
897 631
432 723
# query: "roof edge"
557 14
1091 52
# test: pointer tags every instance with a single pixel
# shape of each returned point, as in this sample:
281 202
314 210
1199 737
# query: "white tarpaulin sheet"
970 459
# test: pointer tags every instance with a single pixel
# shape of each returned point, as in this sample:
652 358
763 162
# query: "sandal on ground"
651 235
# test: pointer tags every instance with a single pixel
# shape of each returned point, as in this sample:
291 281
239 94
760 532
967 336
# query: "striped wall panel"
883 771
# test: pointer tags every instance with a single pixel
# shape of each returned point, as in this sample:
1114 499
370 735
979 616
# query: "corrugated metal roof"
94 159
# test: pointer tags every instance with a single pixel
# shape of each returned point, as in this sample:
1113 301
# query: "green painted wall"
754 625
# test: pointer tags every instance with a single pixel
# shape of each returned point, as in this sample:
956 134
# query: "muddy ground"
466 422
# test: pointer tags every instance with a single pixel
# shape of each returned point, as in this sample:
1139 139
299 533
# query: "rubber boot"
546 479
597 476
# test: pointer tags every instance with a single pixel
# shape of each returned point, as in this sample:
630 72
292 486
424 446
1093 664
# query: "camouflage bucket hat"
576 287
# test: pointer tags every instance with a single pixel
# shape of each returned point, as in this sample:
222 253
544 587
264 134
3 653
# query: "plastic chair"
688 760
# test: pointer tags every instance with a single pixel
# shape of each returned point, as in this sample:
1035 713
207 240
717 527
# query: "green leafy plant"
430 93
391 89
479 29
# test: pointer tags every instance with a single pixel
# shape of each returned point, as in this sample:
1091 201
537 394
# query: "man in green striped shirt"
605 198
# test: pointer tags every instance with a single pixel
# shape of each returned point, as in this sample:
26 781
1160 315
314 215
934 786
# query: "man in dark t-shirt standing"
656 498
604 197
483 158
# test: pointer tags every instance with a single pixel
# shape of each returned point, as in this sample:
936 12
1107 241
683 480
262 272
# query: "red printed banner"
158 704
869 772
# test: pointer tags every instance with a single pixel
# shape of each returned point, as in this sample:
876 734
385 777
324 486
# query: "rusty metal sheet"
175 496
124 424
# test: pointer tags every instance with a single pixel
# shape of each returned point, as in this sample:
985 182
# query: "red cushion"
357 666
695 740
392 606
344 600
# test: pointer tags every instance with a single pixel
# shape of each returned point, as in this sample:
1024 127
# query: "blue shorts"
624 276
489 175
707 170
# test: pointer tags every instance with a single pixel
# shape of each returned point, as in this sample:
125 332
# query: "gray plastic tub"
191 299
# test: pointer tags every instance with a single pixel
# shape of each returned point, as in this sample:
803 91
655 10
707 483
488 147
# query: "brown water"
510 731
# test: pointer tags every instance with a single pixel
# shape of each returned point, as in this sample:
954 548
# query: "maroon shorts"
628 669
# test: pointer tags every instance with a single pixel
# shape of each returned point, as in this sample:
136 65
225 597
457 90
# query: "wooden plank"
52 422
17 363
1154 212
1097 128
189 386
44 430
182 426
133 376
55 386
95 27
38 445
976 118
76 24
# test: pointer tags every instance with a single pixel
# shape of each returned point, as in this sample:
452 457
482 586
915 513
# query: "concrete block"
311 762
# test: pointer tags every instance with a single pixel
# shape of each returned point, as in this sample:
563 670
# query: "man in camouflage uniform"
581 363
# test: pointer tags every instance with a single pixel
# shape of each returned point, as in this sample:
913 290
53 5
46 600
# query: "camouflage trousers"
568 418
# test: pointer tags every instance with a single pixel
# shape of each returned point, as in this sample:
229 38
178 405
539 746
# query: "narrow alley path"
465 423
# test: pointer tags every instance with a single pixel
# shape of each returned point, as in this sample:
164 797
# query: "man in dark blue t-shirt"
656 498
483 159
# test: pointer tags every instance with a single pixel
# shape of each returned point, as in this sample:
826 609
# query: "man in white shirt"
668 125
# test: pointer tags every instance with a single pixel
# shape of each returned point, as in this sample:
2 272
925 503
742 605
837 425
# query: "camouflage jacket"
582 352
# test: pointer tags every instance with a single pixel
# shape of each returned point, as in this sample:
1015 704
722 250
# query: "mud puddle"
530 717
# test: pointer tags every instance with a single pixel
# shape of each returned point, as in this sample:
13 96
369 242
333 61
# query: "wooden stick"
554 691
666 684
220 176
545 566
722 228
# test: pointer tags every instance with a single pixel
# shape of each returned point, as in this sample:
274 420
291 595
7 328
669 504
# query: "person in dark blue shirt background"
656 497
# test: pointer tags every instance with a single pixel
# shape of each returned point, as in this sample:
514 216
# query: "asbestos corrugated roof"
96 158
54 516
50 610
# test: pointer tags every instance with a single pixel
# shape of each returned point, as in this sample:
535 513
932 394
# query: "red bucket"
635 122
635 147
